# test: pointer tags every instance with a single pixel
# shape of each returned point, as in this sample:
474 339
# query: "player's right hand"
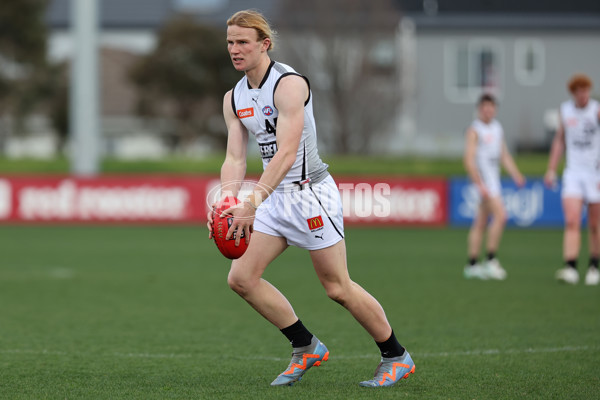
550 179
520 180
243 220
209 222
483 192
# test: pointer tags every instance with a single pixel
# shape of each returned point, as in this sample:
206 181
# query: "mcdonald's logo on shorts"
315 223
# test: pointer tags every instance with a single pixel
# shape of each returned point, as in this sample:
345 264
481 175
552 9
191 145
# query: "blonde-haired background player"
274 103
485 150
578 134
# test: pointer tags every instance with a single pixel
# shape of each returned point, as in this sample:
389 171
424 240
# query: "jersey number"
270 128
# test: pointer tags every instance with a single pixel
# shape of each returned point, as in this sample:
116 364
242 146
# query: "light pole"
84 103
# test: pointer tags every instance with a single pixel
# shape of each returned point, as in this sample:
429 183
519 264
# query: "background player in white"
485 149
291 161
579 134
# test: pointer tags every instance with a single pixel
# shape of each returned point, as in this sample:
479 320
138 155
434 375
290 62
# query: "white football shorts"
491 181
311 218
581 186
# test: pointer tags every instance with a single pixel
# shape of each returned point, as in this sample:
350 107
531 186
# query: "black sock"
593 262
571 264
391 348
472 261
491 255
297 334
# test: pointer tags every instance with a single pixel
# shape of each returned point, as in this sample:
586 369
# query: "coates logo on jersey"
488 138
268 110
315 223
572 122
245 113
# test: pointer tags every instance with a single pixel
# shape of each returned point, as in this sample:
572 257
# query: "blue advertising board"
532 205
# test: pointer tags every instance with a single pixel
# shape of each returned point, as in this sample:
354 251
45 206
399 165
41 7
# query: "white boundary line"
482 352
530 350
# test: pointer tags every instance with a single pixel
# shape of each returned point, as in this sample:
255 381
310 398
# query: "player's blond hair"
255 20
578 81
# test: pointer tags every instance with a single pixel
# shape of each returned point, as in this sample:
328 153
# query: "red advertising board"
176 199
104 199
394 201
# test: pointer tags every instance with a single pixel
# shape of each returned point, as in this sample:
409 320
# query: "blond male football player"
485 150
578 135
296 202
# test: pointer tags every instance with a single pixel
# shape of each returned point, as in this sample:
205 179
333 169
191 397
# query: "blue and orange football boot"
391 370
303 358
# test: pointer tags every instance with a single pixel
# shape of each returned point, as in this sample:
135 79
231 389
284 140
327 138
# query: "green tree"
346 48
184 80
28 82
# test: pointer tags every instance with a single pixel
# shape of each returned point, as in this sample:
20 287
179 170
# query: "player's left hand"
520 180
550 179
483 192
243 220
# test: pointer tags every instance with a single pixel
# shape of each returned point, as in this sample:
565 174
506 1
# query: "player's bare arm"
234 166
510 166
470 163
233 169
289 99
508 162
556 151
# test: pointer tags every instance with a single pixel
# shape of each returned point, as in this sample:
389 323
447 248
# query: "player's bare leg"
245 278
496 227
477 231
331 267
594 228
592 276
493 269
474 270
572 208
494 236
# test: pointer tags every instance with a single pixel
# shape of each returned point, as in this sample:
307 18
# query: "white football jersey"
490 138
582 136
256 110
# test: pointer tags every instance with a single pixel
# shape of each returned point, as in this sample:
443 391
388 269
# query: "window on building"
530 62
471 68
382 57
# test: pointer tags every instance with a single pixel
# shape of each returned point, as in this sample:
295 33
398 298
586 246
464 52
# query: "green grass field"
530 164
145 313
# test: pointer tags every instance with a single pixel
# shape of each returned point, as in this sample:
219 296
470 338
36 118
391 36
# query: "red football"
221 226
